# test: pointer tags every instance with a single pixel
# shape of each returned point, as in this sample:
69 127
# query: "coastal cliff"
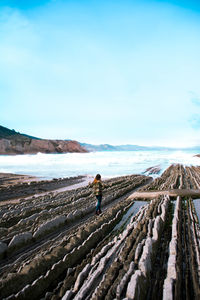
12 142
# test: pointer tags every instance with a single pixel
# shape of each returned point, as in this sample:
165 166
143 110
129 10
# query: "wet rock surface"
27 187
153 170
176 177
54 247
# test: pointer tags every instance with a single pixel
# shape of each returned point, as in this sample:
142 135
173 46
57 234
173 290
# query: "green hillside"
6 133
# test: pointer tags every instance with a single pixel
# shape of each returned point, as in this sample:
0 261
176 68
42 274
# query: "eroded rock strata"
54 247
30 187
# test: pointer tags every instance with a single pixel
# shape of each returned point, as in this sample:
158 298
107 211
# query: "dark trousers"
98 206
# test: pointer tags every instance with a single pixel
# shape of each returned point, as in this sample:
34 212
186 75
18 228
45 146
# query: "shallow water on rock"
132 211
197 207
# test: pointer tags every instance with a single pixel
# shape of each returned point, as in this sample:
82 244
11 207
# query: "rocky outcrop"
153 170
32 146
176 177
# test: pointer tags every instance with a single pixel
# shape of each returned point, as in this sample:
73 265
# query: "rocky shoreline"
54 247
14 186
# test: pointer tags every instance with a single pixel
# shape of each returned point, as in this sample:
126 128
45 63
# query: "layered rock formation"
32 187
54 247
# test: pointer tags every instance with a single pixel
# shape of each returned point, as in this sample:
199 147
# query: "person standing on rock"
98 187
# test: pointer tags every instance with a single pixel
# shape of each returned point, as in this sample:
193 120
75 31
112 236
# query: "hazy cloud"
195 98
195 101
195 121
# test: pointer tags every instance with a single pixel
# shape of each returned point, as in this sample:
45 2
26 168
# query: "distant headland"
12 142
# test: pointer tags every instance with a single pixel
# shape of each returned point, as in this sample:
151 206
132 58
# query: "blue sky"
113 72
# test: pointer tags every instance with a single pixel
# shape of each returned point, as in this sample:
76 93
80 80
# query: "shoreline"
16 187
7 179
109 164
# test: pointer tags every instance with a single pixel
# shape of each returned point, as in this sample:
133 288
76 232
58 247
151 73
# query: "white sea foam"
109 164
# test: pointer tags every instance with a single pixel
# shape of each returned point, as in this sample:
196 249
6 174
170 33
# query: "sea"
108 164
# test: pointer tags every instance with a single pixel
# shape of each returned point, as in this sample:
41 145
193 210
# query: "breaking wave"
109 164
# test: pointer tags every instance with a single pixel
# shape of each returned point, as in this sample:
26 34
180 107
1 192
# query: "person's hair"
98 177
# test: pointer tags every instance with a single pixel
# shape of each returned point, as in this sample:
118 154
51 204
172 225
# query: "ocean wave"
109 164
